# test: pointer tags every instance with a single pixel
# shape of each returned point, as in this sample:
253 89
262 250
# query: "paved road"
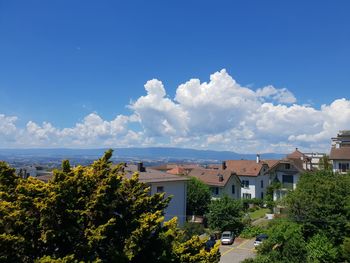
238 251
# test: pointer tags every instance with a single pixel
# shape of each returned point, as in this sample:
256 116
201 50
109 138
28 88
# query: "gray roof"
153 176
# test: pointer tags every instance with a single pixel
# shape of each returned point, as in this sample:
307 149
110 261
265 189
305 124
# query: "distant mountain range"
166 153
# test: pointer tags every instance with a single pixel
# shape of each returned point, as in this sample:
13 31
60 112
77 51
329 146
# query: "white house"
220 181
252 174
287 172
173 185
340 152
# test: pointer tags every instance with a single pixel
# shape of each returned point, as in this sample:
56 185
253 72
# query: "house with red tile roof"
253 176
288 171
340 152
220 181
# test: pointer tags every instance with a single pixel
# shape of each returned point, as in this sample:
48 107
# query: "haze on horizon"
261 77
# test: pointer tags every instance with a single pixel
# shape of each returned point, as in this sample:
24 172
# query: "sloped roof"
297 163
270 163
169 166
153 176
211 176
247 167
177 170
342 153
297 155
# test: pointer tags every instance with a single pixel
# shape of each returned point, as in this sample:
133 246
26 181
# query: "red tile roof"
297 155
248 167
296 163
177 170
211 176
169 166
342 153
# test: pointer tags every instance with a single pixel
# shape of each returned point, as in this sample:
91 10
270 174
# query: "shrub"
191 229
251 231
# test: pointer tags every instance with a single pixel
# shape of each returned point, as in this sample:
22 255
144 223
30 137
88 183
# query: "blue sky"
63 61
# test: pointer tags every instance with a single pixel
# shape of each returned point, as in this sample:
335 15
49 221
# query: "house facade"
286 172
340 152
287 175
173 185
252 174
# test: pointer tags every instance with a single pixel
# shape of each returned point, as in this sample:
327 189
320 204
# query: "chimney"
140 167
223 165
257 158
221 177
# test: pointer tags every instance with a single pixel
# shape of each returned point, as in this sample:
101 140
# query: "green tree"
225 213
90 214
345 249
321 203
285 244
198 197
269 195
321 250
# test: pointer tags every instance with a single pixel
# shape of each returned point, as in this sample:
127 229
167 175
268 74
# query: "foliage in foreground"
318 227
90 214
225 214
321 203
198 197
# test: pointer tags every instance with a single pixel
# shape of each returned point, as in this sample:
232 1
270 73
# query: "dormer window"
287 166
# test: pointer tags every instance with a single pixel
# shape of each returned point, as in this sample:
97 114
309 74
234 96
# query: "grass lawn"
259 213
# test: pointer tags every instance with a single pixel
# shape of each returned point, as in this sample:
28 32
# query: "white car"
259 239
227 238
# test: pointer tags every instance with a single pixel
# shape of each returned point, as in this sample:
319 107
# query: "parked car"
259 239
227 238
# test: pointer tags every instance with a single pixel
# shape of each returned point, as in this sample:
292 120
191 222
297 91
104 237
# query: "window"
287 181
245 183
262 195
160 189
233 190
287 166
343 167
247 196
262 183
215 190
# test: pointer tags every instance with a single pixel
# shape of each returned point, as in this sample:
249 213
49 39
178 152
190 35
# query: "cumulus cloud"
219 114
280 95
159 115
8 130
92 131
226 115
7 124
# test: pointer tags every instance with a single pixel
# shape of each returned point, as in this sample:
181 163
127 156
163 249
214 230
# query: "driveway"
238 251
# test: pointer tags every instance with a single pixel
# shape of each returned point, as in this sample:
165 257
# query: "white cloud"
278 95
220 114
7 125
215 106
8 130
159 115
